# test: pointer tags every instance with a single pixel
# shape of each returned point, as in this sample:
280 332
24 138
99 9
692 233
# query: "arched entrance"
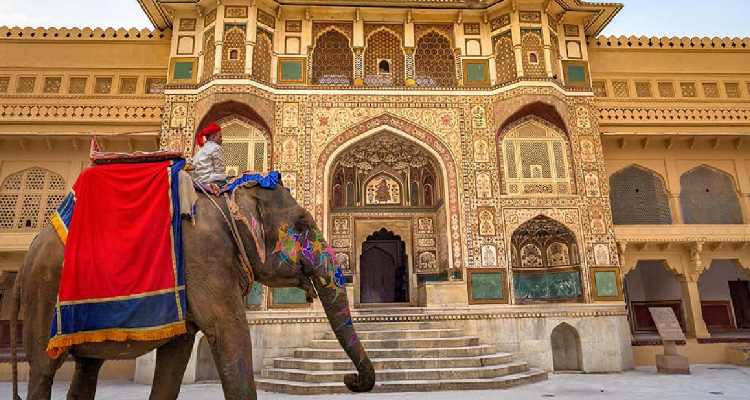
384 272
387 182
566 348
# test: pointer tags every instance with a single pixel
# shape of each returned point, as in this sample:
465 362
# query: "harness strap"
244 262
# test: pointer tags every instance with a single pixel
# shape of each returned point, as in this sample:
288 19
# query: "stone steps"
502 382
436 352
407 356
344 364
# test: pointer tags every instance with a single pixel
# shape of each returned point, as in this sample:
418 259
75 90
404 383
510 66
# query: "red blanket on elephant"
122 278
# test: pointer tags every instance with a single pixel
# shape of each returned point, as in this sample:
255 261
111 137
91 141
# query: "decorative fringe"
60 227
58 345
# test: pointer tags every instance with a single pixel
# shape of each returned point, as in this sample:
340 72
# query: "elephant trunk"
336 307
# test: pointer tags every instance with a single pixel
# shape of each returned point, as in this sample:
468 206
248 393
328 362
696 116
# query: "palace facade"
496 165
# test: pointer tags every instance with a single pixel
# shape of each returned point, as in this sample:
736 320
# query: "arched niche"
638 197
205 367
566 348
709 196
385 170
332 59
245 145
545 263
29 197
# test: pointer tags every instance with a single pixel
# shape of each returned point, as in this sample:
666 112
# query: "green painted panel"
561 285
576 73
291 70
254 298
475 72
487 286
183 70
432 278
606 284
289 295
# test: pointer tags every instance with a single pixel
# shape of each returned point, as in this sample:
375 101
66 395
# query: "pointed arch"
709 196
29 197
384 44
566 348
638 196
332 58
434 59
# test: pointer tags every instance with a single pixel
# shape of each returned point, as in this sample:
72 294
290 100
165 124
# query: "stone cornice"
682 233
33 112
97 34
462 314
672 115
669 43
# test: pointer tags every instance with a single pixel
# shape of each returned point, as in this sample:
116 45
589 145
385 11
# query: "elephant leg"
83 386
228 336
171 361
41 373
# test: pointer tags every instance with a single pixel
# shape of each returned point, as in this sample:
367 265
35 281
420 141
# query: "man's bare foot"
215 188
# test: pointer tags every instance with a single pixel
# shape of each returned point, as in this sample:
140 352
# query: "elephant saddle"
123 276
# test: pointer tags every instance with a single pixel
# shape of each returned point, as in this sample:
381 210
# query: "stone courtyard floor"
706 382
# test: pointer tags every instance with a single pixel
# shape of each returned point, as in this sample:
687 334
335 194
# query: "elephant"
215 283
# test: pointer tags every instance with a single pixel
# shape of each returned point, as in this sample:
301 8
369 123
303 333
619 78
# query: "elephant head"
290 250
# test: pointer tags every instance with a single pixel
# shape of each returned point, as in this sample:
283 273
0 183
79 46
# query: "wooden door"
739 291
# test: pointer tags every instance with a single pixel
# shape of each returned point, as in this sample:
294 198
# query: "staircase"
407 356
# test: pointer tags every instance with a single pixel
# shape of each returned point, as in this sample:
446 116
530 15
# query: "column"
251 35
674 206
546 41
409 50
515 31
358 44
694 323
219 29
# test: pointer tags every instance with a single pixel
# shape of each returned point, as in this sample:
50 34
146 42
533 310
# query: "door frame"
364 227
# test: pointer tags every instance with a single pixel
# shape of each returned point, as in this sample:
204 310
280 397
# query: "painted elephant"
284 247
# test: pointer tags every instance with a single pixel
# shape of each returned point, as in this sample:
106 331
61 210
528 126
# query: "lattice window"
4 82
262 56
28 198
600 88
708 196
155 85
535 158
52 84
643 89
710 89
332 60
128 85
688 89
638 197
533 53
505 59
666 89
732 89
434 61
209 53
233 50
26 84
102 85
381 46
245 146
621 89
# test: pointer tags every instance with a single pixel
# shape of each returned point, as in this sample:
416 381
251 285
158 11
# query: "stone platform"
407 356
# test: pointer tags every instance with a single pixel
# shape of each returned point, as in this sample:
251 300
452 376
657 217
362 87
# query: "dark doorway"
383 269
739 291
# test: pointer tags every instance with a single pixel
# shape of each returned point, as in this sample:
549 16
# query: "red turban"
213 128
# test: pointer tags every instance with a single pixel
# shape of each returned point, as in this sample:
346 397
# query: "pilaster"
219 38
515 31
547 44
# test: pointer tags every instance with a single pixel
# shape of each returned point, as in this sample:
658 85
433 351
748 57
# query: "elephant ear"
249 214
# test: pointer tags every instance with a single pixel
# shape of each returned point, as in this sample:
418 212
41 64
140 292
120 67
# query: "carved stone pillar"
694 323
409 67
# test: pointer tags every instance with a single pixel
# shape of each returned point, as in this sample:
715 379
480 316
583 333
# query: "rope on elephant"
244 262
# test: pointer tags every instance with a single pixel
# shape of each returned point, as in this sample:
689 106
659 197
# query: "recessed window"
384 67
234 54
533 58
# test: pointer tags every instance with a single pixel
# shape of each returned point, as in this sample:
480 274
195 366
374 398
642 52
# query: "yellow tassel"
62 231
58 345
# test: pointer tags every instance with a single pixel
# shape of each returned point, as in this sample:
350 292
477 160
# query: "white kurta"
209 164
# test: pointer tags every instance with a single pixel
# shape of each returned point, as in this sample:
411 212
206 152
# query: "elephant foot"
352 381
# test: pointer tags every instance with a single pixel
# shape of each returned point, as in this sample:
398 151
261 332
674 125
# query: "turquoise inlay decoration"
476 72
183 70
576 73
606 284
561 285
487 286
432 278
500 36
291 70
535 31
230 26
255 296
289 295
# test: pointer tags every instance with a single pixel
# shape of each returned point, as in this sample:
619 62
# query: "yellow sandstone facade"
494 165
